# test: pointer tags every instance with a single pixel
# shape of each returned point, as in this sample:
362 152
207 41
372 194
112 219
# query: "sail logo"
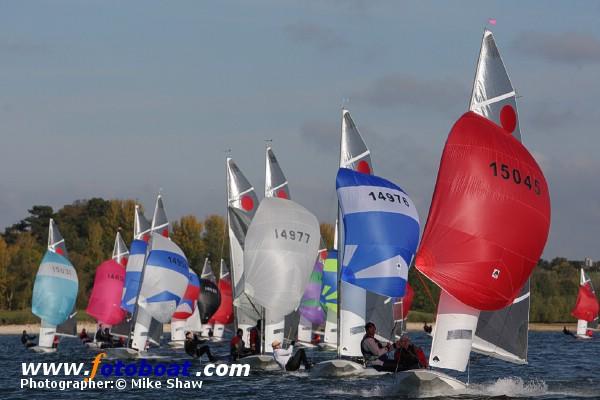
496 273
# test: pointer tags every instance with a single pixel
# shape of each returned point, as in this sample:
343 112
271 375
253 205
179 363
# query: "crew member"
255 338
409 356
196 347
83 336
286 360
238 348
27 339
374 352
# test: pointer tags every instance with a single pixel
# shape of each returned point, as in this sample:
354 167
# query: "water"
560 367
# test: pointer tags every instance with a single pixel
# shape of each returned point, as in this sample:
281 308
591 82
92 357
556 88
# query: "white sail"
207 271
453 334
120 252
279 256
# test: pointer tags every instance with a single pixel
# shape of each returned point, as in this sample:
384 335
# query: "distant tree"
216 240
327 233
187 233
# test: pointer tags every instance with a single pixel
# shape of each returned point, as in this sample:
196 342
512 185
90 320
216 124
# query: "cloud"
322 38
568 47
400 89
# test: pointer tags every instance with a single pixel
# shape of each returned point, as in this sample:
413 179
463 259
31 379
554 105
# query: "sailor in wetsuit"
238 348
196 347
374 352
27 339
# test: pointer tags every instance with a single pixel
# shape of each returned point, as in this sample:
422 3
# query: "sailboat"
224 314
484 262
279 256
380 237
241 206
185 310
54 290
586 308
207 275
209 300
311 309
105 300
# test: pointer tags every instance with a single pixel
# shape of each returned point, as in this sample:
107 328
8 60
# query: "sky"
121 99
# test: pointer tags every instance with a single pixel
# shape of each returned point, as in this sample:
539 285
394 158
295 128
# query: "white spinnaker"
279 254
453 334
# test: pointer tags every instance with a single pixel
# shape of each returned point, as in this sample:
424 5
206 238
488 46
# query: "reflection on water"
560 367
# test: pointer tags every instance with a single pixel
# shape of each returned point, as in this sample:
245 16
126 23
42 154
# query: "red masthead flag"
489 216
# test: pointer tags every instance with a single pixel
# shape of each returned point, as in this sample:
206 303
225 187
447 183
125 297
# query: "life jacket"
366 352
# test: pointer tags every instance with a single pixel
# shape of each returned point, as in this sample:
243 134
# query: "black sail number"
514 175
390 197
291 234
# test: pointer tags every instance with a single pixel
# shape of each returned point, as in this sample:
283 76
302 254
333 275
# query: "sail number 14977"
290 234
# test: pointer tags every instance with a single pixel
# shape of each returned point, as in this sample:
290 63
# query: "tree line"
89 228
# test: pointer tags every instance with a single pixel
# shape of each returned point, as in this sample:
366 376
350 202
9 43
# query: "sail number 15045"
507 173
289 234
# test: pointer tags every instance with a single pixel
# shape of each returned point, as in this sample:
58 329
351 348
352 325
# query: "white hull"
424 382
305 345
339 368
93 345
38 349
176 344
261 362
583 337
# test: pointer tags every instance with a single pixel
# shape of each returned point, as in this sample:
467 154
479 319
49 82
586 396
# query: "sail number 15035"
507 173
289 234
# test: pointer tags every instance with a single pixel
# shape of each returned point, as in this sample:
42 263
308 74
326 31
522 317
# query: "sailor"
374 352
567 332
238 347
409 356
427 328
196 347
286 360
83 336
255 338
55 342
27 339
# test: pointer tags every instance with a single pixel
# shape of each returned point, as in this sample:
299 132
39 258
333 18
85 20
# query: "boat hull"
424 382
261 362
176 344
339 367
327 347
41 349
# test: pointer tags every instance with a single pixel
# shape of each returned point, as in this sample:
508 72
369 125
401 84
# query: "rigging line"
425 287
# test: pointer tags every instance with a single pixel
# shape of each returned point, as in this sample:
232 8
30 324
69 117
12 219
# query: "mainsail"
329 296
135 263
241 206
402 307
55 287
487 226
501 334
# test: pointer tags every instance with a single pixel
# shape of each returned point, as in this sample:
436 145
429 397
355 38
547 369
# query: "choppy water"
560 367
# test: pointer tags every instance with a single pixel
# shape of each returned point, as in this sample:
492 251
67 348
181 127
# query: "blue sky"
118 99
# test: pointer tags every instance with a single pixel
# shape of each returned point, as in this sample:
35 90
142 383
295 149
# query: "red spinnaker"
586 307
401 310
105 299
489 217
224 314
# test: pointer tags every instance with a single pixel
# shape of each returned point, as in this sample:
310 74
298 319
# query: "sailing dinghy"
329 299
54 290
380 237
279 256
311 309
185 310
586 308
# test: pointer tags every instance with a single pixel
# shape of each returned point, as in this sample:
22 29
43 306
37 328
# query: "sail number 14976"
507 173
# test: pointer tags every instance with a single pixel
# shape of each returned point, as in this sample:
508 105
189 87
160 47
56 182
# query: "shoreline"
411 327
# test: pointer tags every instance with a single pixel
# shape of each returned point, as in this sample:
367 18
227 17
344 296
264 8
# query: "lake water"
560 367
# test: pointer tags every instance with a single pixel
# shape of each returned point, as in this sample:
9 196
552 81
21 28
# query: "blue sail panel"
133 274
381 232
55 289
